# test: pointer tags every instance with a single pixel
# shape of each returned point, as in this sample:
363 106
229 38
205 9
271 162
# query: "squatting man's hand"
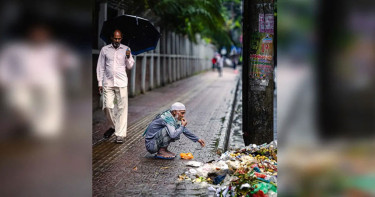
183 122
201 142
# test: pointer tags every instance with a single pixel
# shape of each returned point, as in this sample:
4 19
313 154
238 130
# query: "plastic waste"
219 179
225 191
205 169
272 179
194 163
192 171
252 170
225 156
186 156
246 185
211 189
260 193
259 175
265 187
274 144
233 165
248 159
256 169
233 189
272 194
263 180
221 165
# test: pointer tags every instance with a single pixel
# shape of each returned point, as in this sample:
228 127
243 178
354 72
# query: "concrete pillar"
165 52
158 62
188 60
194 60
143 74
169 40
152 70
178 64
195 57
202 61
102 18
173 59
164 79
187 57
183 57
132 82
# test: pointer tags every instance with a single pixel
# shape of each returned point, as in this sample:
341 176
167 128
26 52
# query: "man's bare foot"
163 152
171 153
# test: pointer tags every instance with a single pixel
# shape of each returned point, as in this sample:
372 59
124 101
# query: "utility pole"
258 71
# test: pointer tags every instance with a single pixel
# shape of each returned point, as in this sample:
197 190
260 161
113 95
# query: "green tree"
187 17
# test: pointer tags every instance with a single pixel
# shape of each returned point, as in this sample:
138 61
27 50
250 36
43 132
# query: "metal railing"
175 67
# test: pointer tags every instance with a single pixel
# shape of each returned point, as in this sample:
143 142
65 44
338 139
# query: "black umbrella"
138 33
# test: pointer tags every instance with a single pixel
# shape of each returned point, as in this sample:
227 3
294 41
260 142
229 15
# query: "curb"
227 124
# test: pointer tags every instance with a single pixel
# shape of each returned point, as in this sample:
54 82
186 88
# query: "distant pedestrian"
166 128
234 61
220 65
213 63
113 61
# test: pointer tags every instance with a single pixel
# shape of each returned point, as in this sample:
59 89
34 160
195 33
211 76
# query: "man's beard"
116 44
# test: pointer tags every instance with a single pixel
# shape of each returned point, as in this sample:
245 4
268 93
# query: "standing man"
113 82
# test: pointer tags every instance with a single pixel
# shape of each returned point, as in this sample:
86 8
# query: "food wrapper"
186 156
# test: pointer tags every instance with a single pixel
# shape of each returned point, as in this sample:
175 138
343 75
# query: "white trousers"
117 119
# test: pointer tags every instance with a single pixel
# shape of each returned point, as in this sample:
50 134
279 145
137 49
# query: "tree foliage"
193 17
187 17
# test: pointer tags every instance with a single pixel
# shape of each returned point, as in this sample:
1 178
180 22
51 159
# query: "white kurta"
112 64
111 74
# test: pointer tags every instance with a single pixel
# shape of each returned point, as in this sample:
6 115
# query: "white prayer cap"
178 106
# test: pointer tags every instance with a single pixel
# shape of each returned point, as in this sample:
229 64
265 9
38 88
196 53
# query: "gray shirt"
158 124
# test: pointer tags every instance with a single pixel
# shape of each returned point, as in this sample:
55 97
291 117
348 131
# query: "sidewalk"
129 170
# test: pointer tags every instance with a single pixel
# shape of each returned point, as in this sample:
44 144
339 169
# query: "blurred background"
326 102
45 80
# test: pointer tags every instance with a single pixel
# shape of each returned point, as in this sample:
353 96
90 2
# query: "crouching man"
166 128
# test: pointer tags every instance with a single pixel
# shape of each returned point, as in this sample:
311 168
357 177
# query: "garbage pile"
251 171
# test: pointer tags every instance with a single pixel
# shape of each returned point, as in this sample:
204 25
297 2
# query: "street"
129 170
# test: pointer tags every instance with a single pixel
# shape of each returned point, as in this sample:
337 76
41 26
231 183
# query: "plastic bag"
194 163
186 156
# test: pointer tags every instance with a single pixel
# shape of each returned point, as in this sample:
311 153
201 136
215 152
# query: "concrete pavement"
129 170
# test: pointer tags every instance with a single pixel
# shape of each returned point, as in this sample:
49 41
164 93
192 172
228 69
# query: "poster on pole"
262 62
262 48
266 23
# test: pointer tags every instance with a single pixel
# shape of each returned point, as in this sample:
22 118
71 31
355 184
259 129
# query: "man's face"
116 39
179 114
39 34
